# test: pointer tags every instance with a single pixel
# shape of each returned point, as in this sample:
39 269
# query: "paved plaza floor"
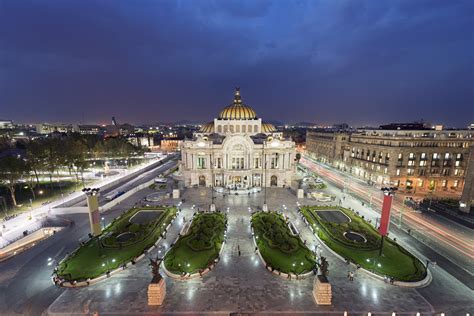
240 284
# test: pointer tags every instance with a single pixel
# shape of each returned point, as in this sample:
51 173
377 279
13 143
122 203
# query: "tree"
35 155
11 170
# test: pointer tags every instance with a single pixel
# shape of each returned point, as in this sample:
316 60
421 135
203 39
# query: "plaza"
242 284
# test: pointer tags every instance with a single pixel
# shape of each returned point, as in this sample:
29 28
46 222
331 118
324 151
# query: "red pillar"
385 219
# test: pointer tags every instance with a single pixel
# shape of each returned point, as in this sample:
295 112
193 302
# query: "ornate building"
238 151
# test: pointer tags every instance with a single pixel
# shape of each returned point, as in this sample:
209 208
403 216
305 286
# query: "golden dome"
207 128
237 110
268 128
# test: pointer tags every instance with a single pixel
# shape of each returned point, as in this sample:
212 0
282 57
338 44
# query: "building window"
219 129
218 163
237 163
411 163
231 127
457 163
444 183
435 156
400 156
243 128
201 163
411 156
398 172
456 183
237 128
422 163
447 156
274 162
226 128
420 183
423 156
410 172
255 128
459 156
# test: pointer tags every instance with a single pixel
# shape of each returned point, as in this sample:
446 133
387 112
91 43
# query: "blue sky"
361 62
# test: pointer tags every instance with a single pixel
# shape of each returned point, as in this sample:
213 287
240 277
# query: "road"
12 229
25 280
452 241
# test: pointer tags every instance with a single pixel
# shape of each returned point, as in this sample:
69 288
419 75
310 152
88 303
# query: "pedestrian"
239 252
351 276
256 249
348 274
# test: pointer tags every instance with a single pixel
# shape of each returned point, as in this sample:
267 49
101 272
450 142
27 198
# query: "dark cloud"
363 62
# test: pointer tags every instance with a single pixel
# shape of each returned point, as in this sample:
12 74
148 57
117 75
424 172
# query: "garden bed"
198 249
395 261
278 247
111 249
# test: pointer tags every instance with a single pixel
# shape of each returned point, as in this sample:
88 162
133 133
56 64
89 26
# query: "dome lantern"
237 110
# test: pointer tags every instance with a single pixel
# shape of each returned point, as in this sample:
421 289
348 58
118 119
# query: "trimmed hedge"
278 247
199 247
395 261
103 253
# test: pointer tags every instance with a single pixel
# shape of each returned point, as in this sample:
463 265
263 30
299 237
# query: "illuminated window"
456 183
398 172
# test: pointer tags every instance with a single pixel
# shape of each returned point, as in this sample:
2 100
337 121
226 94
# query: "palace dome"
207 128
268 128
237 110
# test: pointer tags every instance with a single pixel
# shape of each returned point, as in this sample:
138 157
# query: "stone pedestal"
176 193
156 292
300 194
265 208
212 208
322 291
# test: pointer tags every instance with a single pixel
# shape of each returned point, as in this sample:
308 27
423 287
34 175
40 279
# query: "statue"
323 266
155 268
157 287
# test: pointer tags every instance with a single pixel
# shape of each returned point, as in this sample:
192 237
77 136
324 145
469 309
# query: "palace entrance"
238 182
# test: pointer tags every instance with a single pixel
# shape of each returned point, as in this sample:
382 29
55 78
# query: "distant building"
405 126
141 140
416 161
47 128
6 124
89 129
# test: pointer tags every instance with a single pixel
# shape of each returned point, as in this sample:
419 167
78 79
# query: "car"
160 179
113 195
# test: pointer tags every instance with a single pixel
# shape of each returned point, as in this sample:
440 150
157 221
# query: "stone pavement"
240 283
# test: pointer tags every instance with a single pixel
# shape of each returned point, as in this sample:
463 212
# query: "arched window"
249 128
243 128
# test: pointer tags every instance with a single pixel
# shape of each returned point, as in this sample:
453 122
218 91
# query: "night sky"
360 62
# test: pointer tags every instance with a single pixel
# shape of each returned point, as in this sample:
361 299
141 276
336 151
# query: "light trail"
447 237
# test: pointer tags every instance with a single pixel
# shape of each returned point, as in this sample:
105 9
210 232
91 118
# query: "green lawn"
199 247
91 261
278 247
395 261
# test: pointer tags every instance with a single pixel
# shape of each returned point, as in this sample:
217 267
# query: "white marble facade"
238 151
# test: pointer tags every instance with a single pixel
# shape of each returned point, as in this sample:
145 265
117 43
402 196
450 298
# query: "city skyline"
365 64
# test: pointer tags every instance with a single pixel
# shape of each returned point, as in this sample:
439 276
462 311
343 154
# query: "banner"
385 219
